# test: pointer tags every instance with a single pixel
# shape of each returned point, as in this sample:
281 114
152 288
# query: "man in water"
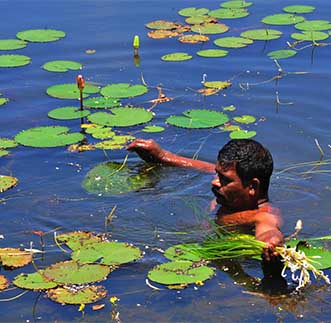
243 170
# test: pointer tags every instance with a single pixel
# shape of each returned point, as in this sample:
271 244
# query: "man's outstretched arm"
152 152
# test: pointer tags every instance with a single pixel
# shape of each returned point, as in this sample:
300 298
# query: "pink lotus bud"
80 82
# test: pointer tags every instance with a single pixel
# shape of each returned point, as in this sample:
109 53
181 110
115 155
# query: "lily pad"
236 4
123 90
71 272
102 133
40 35
68 113
319 254
221 85
152 129
213 53
163 24
7 143
246 119
121 117
179 272
229 108
176 57
7 182
107 253
210 28
14 60
282 19
34 281
193 39
313 25
230 128
299 9
283 53
12 44
182 252
113 179
70 91
101 102
14 258
197 20
75 240
62 66
233 42
310 36
3 152
198 119
261 34
192 11
162 33
51 136
242 134
117 142
4 283
3 101
228 13
78 295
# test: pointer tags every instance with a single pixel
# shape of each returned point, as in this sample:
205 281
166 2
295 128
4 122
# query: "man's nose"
216 182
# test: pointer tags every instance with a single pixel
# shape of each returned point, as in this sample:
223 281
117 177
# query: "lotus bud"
136 42
80 82
298 226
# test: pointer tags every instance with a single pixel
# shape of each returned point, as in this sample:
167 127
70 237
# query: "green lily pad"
14 258
123 90
246 119
3 153
210 28
75 240
152 129
103 133
70 91
101 102
62 66
217 84
7 182
176 57
4 283
107 253
228 13
197 20
77 296
179 272
121 117
299 9
313 25
282 19
233 42
7 143
3 101
40 35
283 53
113 179
117 142
71 272
12 44
198 119
163 24
236 4
182 252
51 136
34 281
310 36
242 134
261 34
229 108
192 11
14 60
317 253
213 53
68 113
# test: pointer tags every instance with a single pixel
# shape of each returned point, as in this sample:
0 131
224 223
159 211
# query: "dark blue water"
50 197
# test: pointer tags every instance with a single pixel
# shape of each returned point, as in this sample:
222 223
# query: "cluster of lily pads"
202 23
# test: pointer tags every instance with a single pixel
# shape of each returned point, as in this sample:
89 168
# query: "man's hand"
148 150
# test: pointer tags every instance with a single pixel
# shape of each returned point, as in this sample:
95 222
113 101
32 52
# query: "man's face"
229 189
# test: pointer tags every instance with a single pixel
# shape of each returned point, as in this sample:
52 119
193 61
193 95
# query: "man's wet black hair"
251 160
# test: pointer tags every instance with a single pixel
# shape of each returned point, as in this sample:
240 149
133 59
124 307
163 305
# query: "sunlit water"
50 197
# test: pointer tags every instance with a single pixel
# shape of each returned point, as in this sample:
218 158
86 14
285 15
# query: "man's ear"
254 186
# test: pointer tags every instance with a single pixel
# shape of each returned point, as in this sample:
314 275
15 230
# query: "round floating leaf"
3 153
227 13
14 60
179 272
193 39
242 134
75 240
117 142
70 91
163 24
198 119
7 143
299 9
229 108
14 258
123 90
62 66
261 34
210 28
4 283
282 19
7 182
68 113
176 57
221 85
236 4
101 102
12 44
213 53
103 133
313 25
34 281
182 252
107 253
52 136
197 20
153 129
192 11
246 119
113 178
3 101
310 36
284 53
233 42
230 128
80 295
70 272
161 34
40 35
317 253
121 117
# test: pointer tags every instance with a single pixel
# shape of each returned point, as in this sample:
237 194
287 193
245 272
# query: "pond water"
49 196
